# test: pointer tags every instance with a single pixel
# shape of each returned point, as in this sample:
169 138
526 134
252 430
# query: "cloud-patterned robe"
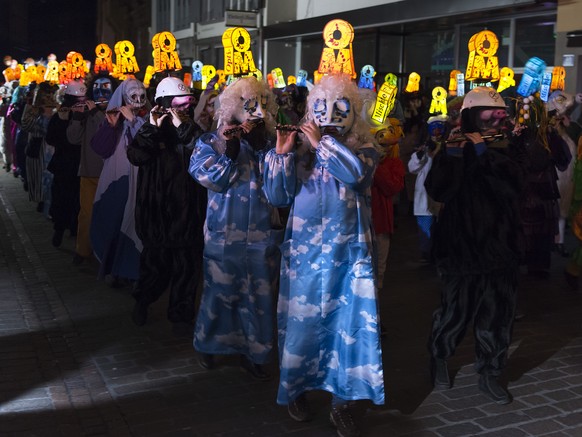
241 253
327 310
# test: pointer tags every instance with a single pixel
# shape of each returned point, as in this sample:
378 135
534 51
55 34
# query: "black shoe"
77 259
341 418
299 409
255 370
572 280
440 374
140 313
57 238
489 385
206 361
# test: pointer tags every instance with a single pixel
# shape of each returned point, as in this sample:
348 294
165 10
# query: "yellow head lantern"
384 101
506 79
439 101
208 73
124 54
76 65
413 84
278 79
238 58
482 64
103 60
337 56
165 54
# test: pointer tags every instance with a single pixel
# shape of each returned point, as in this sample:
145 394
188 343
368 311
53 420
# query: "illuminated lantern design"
197 71
558 79
545 86
439 101
506 79
208 73
270 80
40 72
302 78
124 55
64 72
52 72
291 80
9 74
453 83
460 84
149 73
76 65
238 58
28 76
483 65
317 76
258 74
413 83
384 101
221 78
338 57
187 80
391 79
103 61
367 74
278 79
165 54
532 77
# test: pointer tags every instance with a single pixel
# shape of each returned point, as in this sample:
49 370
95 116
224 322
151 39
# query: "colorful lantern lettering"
384 102
506 79
367 74
338 57
483 65
124 55
558 79
52 72
208 73
40 72
76 65
165 54
238 58
545 86
439 101
64 72
103 61
413 83
27 76
532 77
257 73
278 79
453 84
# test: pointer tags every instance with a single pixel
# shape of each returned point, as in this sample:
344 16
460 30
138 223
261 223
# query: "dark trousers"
180 269
487 299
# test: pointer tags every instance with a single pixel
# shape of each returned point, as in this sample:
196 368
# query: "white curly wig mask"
243 89
340 86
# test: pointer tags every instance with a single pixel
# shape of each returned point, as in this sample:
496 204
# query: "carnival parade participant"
35 119
169 207
81 129
64 164
426 209
113 237
328 323
205 109
388 182
476 241
241 232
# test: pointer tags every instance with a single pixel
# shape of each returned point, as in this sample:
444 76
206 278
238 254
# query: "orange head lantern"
103 59
165 54
337 55
558 78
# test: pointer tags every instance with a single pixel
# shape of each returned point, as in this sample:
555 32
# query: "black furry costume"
476 248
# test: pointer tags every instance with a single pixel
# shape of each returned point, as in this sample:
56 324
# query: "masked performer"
169 207
329 335
115 242
476 241
64 164
242 231
81 129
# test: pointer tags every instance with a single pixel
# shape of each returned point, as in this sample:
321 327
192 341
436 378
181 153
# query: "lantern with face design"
238 58
337 56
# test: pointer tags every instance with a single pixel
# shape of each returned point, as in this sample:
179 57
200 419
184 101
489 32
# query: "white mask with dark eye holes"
135 94
252 108
334 118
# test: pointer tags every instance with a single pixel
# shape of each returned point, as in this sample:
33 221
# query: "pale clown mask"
135 94
333 117
251 108
102 89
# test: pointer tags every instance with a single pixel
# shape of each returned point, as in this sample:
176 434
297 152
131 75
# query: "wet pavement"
72 363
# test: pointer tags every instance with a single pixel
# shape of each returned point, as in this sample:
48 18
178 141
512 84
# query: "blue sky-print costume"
327 311
241 254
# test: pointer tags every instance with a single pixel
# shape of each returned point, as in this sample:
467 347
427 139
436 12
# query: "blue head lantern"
532 77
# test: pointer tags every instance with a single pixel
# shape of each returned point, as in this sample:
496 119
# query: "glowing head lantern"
337 56
506 79
124 54
197 71
208 73
278 79
52 72
385 99
456 83
238 58
413 84
438 104
165 54
482 64
302 78
103 60
76 65
532 77
558 78
367 78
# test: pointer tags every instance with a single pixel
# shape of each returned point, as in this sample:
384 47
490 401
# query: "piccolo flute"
288 128
254 123
485 137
